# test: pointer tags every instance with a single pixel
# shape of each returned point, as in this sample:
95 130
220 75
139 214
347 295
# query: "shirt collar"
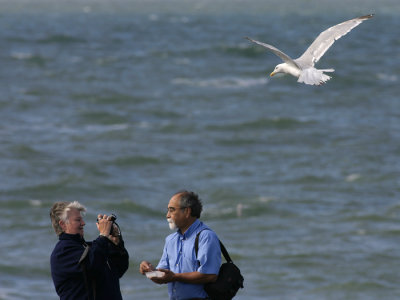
67 236
190 230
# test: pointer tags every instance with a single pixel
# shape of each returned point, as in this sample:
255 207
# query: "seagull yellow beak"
272 74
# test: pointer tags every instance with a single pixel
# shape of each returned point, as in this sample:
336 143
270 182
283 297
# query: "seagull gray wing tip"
366 17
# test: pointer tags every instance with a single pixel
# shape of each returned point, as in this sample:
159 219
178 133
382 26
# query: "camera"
114 226
115 231
113 217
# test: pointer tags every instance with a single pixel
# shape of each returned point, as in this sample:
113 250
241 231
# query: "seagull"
303 67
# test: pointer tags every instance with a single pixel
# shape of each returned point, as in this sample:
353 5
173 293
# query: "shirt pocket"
189 263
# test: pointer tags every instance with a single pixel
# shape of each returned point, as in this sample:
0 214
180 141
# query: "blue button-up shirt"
179 256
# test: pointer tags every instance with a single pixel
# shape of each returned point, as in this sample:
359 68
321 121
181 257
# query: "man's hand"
145 266
169 276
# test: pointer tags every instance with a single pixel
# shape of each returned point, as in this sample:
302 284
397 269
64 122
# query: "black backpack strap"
225 253
223 249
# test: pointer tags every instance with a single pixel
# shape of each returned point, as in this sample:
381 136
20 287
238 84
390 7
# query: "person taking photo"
86 270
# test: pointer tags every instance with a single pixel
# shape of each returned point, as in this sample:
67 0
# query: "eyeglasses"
173 209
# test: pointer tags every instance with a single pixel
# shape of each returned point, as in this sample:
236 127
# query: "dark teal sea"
118 104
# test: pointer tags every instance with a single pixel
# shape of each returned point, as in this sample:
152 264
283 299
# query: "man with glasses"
181 269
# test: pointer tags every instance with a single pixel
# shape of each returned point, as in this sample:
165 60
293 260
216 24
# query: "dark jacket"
105 264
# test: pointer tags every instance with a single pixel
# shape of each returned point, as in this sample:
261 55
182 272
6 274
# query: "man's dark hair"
192 200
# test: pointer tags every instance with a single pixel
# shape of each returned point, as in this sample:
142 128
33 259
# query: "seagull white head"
278 69
303 67
286 69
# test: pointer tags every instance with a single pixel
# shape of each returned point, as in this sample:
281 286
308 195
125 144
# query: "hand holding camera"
108 227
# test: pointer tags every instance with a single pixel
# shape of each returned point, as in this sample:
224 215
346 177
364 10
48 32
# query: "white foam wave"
267 199
153 17
21 55
92 128
353 177
87 9
106 128
35 202
223 83
387 77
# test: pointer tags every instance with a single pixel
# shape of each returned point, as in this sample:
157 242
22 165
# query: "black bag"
229 278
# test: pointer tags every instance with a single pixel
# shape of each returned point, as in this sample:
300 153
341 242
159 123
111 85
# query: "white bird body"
303 67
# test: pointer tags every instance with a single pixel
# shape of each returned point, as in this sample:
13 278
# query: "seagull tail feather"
313 76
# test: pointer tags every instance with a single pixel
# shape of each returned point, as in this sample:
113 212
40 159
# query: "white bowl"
154 274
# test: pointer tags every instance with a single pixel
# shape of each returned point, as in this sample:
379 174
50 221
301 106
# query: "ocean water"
119 104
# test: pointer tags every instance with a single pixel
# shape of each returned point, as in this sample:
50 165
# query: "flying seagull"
303 67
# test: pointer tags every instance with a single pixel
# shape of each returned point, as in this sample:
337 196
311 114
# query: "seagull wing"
286 58
326 39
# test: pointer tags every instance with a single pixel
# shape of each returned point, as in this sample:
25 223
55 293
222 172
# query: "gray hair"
192 200
59 212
